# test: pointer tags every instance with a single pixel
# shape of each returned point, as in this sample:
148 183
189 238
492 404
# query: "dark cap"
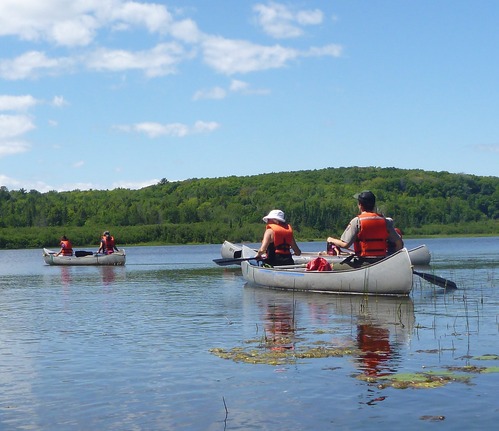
366 198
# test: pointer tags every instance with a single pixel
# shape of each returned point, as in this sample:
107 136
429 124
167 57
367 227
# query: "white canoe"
117 258
390 276
420 256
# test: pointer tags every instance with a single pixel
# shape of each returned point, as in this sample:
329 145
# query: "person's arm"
295 247
337 242
347 237
267 239
394 237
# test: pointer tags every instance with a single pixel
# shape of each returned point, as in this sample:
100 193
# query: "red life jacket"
283 237
108 242
372 237
67 248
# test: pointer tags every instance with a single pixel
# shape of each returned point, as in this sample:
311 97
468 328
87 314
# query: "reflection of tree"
374 343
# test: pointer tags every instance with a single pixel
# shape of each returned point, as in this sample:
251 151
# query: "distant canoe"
420 256
390 276
117 258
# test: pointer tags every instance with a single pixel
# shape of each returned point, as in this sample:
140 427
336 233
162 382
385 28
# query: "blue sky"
99 94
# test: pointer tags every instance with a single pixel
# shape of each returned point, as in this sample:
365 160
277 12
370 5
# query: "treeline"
317 203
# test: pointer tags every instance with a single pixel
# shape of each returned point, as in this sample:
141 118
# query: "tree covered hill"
317 203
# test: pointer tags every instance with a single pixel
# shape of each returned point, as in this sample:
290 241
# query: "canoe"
390 276
117 258
420 255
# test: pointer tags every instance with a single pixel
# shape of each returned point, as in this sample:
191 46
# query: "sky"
101 94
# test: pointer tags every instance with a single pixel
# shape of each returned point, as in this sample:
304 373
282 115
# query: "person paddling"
107 244
66 247
278 240
369 232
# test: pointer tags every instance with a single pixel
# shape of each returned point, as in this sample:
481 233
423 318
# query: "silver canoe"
420 256
390 276
117 258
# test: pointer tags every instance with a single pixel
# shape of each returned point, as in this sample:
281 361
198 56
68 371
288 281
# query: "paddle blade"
230 261
435 279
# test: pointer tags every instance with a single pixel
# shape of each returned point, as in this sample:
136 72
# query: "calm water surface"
130 348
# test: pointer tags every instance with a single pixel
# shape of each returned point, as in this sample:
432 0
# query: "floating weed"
475 369
425 380
487 357
279 354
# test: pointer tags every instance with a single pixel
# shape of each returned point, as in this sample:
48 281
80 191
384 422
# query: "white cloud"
493 148
14 125
30 64
59 101
78 164
155 130
212 93
280 21
134 185
8 148
11 127
158 61
238 56
76 22
17 103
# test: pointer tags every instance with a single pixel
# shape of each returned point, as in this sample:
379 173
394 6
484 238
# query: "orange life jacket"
109 244
372 237
283 237
67 248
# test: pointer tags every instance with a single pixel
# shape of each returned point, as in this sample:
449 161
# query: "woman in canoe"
66 247
369 232
278 240
107 244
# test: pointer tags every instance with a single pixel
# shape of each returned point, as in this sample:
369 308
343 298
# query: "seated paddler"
278 240
370 232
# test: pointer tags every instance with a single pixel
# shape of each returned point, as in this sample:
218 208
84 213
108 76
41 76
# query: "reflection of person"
369 232
66 247
278 240
107 244
374 343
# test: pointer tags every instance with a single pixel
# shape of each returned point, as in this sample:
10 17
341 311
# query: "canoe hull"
420 256
115 259
390 276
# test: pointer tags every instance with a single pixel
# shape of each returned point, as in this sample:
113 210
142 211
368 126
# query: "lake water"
173 342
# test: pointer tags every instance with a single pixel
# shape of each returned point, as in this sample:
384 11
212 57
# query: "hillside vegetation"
317 203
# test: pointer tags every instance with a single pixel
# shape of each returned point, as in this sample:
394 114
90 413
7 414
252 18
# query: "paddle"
81 253
435 279
230 261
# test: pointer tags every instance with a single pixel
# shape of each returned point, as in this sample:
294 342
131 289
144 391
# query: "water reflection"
66 278
108 275
279 325
376 329
374 344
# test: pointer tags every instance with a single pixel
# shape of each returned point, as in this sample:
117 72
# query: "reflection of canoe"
114 259
419 255
393 313
390 276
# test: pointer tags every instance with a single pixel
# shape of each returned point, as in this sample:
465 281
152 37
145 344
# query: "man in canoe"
369 232
278 240
66 247
107 244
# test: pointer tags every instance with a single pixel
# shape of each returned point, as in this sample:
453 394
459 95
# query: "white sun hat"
276 215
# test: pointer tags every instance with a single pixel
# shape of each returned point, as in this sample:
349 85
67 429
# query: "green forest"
317 203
